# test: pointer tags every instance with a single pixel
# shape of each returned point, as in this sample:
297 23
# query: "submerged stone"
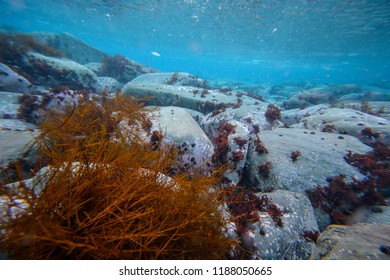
356 242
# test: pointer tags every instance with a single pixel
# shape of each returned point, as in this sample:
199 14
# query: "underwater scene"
195 129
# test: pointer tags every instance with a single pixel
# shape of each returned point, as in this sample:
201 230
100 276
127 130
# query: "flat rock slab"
379 108
194 98
356 242
322 156
373 215
172 78
346 121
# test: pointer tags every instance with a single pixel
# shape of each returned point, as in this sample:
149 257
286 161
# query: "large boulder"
173 78
321 156
268 241
56 72
356 242
177 127
309 97
294 116
123 69
72 47
12 81
195 98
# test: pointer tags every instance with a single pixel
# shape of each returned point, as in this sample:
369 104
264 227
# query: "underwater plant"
275 213
222 142
273 113
375 165
340 199
114 65
174 78
369 133
244 206
295 155
311 235
264 169
29 105
108 194
240 141
330 128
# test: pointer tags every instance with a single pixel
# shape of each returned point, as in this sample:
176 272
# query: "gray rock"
321 157
95 67
323 219
198 116
9 105
351 96
346 121
294 116
194 98
247 119
173 78
123 69
16 125
371 94
12 81
17 146
310 97
55 72
250 115
287 242
73 48
377 108
356 242
181 130
108 84
372 215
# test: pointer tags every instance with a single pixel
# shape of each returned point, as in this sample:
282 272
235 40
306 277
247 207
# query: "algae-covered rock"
347 121
178 127
173 78
271 242
321 156
195 98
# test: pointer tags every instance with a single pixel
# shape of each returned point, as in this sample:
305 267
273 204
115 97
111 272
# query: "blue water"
254 41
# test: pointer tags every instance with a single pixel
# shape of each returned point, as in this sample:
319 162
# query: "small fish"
155 54
274 30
